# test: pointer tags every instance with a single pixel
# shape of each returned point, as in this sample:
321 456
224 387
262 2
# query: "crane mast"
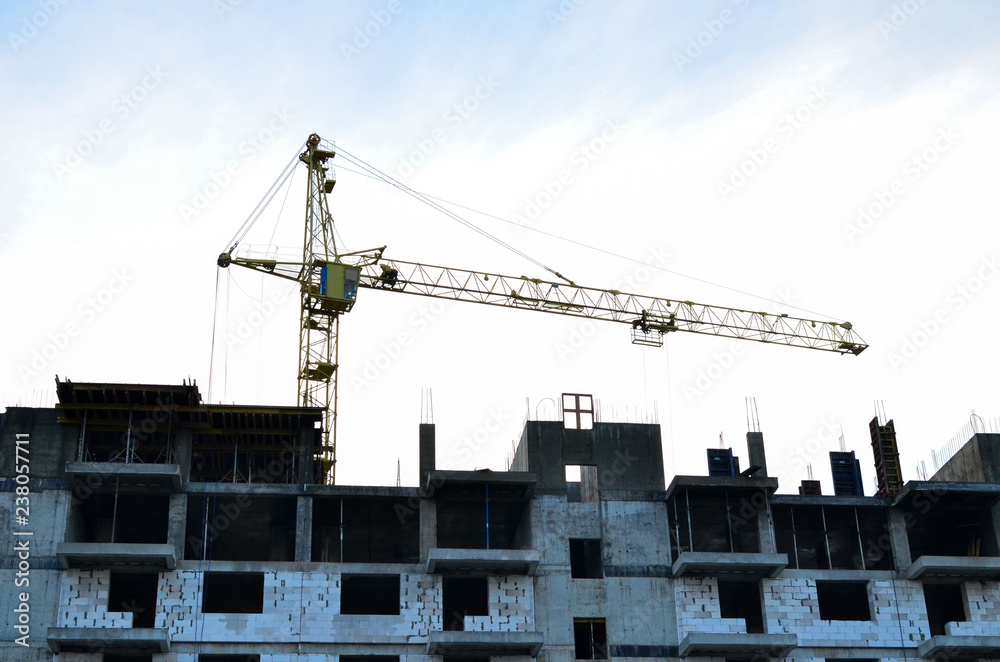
329 283
318 328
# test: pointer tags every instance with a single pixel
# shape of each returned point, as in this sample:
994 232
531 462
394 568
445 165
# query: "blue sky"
118 117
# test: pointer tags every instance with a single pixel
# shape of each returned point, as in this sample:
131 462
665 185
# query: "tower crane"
330 280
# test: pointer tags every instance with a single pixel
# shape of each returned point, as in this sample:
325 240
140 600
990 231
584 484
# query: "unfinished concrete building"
162 529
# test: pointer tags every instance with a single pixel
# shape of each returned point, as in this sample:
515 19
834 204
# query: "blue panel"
322 282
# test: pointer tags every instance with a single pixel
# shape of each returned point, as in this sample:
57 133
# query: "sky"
833 161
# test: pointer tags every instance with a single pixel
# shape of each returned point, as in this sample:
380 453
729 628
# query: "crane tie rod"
286 172
447 212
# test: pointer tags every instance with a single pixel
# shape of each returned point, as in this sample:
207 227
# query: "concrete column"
991 546
765 523
898 539
755 451
305 441
428 527
303 529
428 506
183 440
177 523
427 452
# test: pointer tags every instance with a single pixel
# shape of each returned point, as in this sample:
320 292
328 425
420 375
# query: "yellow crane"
330 280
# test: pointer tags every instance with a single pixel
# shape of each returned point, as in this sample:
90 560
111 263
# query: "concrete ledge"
969 494
108 474
770 485
106 554
704 644
483 644
960 647
134 641
483 561
509 484
738 564
971 567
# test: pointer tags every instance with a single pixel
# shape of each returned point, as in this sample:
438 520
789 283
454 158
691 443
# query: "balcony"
108 555
125 641
147 476
483 561
976 568
734 565
481 643
724 644
959 648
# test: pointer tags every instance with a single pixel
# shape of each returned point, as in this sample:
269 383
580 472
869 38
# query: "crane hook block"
225 259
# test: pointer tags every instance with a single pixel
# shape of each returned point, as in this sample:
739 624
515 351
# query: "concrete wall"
48 513
52 444
978 461
628 456
636 538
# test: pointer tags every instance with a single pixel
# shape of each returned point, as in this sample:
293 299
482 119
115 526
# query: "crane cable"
611 253
285 176
286 173
447 212
215 318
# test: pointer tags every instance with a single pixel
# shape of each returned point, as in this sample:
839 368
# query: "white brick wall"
83 601
297 607
697 601
511 606
983 606
791 606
